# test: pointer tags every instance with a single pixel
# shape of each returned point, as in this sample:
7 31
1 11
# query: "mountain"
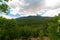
33 20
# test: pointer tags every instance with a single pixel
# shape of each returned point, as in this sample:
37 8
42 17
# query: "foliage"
26 27
3 6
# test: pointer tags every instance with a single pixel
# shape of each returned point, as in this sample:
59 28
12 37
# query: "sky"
21 8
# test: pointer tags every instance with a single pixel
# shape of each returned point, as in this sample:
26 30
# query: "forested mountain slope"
33 20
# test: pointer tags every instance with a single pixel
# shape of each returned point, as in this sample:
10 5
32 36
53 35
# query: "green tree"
11 29
58 28
52 31
2 27
3 6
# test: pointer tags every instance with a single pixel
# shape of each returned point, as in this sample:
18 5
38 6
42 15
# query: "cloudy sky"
33 7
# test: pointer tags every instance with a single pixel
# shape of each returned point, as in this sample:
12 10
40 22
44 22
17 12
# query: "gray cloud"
28 6
33 6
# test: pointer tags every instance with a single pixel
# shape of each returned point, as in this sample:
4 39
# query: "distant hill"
33 20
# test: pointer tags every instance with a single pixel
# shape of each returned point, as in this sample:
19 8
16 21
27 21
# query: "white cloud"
14 11
5 16
52 13
52 4
32 7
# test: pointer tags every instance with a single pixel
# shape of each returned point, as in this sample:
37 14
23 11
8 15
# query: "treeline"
27 27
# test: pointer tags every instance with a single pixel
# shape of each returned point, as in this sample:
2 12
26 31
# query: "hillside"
33 20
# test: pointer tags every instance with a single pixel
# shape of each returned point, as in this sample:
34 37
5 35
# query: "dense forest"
30 27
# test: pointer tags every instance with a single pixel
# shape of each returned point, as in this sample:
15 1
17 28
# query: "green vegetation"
32 26
3 6
27 27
